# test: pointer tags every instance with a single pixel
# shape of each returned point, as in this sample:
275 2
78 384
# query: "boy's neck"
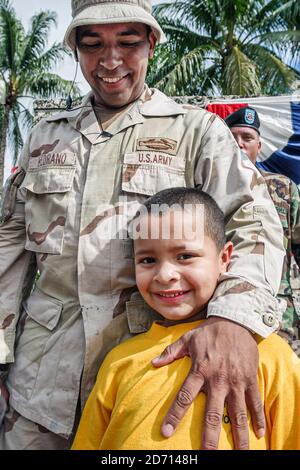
198 316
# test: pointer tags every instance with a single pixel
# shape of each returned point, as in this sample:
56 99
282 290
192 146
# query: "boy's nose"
166 274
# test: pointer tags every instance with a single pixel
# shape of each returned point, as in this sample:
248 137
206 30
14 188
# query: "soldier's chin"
114 99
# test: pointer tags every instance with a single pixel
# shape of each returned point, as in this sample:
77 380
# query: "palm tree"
25 68
229 47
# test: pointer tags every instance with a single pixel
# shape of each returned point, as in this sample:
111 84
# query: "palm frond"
14 133
26 66
177 79
182 39
275 12
275 75
229 26
282 37
240 76
48 60
207 83
37 37
25 117
11 39
6 4
194 13
49 85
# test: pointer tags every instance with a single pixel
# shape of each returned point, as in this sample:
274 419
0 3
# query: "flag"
280 130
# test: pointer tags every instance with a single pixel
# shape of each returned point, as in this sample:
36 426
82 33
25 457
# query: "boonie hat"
88 12
244 117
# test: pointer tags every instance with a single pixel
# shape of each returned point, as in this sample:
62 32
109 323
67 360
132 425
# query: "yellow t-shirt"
131 397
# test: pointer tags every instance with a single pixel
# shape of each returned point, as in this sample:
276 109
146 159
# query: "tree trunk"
3 138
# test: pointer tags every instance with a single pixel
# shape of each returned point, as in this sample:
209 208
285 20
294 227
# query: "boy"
177 270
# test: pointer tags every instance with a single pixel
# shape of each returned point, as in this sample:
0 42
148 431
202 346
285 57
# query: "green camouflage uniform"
60 215
286 198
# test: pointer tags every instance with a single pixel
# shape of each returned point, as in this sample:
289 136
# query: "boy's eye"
147 260
185 256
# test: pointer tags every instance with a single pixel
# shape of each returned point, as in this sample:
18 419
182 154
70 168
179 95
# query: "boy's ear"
226 256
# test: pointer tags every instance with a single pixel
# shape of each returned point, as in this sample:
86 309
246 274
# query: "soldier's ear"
152 41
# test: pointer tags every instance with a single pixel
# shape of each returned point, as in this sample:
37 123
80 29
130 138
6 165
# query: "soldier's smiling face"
114 60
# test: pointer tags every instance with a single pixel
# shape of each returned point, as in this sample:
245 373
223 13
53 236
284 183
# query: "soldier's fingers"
213 418
237 411
256 409
186 395
173 352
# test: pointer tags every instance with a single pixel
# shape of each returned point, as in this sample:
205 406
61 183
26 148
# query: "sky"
25 9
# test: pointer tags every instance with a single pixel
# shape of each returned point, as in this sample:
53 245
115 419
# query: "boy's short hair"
214 217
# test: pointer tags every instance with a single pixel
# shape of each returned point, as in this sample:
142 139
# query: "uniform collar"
84 120
160 105
140 316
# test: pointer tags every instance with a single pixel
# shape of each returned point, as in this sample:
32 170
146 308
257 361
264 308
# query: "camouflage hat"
244 117
88 12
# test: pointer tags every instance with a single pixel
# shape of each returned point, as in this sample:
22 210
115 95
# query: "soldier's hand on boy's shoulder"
224 366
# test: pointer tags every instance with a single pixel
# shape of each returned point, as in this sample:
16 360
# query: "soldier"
244 124
82 174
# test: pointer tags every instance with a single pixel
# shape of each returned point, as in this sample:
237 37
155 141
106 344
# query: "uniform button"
269 319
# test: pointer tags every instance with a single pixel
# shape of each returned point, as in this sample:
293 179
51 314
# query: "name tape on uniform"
154 158
59 159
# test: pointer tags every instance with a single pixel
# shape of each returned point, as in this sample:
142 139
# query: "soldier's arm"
223 350
246 294
17 266
295 221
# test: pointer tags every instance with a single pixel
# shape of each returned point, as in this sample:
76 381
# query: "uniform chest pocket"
47 198
149 179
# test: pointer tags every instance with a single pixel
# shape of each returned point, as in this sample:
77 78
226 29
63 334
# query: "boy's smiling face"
177 277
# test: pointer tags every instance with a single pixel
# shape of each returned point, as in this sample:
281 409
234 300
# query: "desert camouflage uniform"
286 198
58 217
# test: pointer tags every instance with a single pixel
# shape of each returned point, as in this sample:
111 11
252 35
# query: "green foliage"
240 47
26 66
